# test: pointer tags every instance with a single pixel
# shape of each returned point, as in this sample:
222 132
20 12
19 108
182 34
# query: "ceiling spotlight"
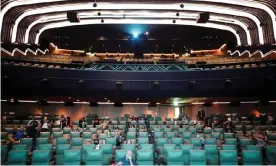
177 14
102 21
174 21
99 14
182 6
95 4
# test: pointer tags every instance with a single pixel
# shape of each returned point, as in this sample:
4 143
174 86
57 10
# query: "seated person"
261 139
19 134
11 141
127 160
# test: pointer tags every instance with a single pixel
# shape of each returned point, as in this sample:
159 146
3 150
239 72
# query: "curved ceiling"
253 21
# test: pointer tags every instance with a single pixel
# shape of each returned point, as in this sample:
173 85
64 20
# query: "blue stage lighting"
135 35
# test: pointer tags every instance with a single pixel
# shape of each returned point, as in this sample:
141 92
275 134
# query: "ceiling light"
102 21
177 14
182 6
99 14
174 21
95 4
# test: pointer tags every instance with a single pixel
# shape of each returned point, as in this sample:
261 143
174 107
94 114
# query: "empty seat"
252 157
46 147
210 141
177 142
84 150
111 141
144 157
270 152
66 130
228 147
231 141
56 130
119 154
197 143
87 137
175 157
72 157
170 135
158 135
143 140
244 142
107 153
228 157
146 146
167 147
143 134
185 152
40 141
76 143
197 157
94 157
160 142
253 147
4 153
74 135
44 135
187 137
60 141
17 157
211 153
41 157
60 153
27 141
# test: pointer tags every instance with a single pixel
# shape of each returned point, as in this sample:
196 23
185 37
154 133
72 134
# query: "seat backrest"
72 157
143 134
231 141
75 134
56 130
211 149
197 157
174 155
93 130
187 135
57 134
170 134
145 157
196 141
131 147
87 135
41 157
17 157
177 141
207 130
66 130
186 148
87 147
158 134
131 135
245 141
26 141
61 141
94 157
228 147
61 148
228 157
143 140
252 157
210 141
76 141
45 147
228 135
146 146
216 135
19 147
161 141
106 148
253 147
119 154
111 141
44 134
42 141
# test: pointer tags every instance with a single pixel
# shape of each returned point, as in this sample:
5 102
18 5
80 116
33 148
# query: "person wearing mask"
126 160
96 143
19 134
62 121
201 114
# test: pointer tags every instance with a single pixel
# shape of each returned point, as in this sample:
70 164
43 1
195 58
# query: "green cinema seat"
87 136
187 137
75 135
19 147
61 141
41 157
167 147
143 134
210 141
107 153
158 118
17 157
157 130
60 153
253 147
168 119
219 130
76 143
72 157
66 130
132 129
185 152
146 146
197 157
174 157
27 141
231 141
111 141
93 130
145 157
199 128
44 135
177 142
228 147
228 157
160 123
181 131
131 136
57 135
244 142
207 130
170 135
48 147
252 157
4 154
41 141
158 134
143 140
119 154
167 130
159 143
228 135
55 129
85 148
211 153
192 130
197 142
270 152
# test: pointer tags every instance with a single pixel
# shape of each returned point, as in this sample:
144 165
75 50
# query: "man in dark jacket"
32 132
201 114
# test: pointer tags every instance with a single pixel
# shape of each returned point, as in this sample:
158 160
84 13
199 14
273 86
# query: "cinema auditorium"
128 82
